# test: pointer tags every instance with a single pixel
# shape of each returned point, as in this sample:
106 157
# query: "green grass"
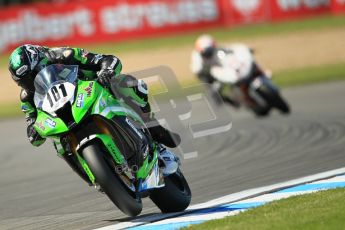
310 75
302 76
321 210
221 34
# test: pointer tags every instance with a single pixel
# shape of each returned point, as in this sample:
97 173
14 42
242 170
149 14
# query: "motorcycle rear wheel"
175 196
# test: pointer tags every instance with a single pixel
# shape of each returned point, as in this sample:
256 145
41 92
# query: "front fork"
65 152
149 175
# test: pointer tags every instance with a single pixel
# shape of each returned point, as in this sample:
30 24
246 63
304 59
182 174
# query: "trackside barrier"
291 9
108 20
103 20
338 6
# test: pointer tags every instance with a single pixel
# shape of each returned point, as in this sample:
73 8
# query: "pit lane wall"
91 21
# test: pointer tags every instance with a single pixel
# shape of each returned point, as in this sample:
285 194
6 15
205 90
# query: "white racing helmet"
205 45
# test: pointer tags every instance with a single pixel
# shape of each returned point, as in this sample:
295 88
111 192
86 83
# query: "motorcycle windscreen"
55 86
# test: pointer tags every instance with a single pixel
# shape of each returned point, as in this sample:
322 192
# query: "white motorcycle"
237 68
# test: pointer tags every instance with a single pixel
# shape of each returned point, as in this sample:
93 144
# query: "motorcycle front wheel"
274 99
109 181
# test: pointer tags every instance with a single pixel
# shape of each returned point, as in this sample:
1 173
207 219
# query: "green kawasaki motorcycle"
107 141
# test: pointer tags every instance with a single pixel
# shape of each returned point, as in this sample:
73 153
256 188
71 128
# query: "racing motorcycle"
237 68
107 142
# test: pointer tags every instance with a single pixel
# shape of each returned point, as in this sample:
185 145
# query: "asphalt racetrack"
39 191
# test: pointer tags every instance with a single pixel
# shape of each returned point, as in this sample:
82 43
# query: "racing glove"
33 136
104 77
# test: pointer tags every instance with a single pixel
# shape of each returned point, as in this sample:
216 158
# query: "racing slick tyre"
281 104
261 111
175 196
274 99
109 182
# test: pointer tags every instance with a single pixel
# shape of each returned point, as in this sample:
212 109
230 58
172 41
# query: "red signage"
338 6
103 20
245 11
108 20
288 9
251 11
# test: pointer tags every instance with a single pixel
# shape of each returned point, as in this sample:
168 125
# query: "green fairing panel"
112 148
88 92
108 106
86 168
58 146
47 125
92 94
27 108
147 166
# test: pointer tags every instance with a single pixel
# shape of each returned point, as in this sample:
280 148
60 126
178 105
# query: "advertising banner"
103 20
338 6
289 9
78 22
244 11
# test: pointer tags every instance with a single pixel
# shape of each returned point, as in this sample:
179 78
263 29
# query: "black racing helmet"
22 64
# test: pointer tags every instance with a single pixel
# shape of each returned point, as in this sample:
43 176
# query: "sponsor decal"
135 129
103 103
84 53
88 89
115 60
127 17
15 60
146 152
80 100
288 5
22 70
41 126
97 58
25 107
49 122
33 56
42 27
246 7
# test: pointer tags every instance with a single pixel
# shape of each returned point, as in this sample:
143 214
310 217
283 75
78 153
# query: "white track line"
236 197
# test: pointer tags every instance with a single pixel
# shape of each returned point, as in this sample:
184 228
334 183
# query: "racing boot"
169 162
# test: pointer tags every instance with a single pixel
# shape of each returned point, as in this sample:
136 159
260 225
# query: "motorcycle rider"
204 57
27 60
